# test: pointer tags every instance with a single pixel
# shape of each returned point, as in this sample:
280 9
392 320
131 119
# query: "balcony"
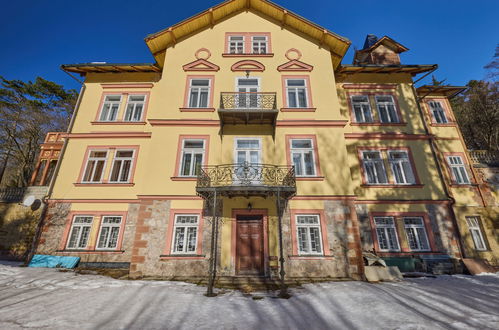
236 180
484 157
248 108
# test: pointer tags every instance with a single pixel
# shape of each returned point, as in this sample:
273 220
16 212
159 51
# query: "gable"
200 65
295 65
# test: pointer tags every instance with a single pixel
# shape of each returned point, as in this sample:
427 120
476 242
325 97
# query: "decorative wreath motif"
293 54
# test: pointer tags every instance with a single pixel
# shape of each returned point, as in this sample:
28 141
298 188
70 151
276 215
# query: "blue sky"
37 36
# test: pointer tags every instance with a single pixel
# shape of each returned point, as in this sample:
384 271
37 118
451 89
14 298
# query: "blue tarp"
40 260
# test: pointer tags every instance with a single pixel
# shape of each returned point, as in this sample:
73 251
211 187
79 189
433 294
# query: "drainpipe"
447 192
45 199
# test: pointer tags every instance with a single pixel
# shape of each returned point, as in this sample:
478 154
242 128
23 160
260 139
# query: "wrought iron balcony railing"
248 100
247 178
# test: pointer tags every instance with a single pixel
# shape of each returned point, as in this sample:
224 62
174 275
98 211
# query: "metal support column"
283 291
213 250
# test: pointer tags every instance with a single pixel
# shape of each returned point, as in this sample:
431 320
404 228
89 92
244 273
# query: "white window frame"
296 88
192 152
236 44
110 103
185 227
308 234
476 232
134 105
108 235
458 170
122 159
80 226
416 233
379 160
236 148
438 112
259 44
302 152
399 163
385 228
199 88
89 159
386 104
364 108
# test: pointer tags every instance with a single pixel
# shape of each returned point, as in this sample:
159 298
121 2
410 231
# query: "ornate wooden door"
249 245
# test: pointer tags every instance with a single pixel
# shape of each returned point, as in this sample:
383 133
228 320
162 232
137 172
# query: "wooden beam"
284 17
174 39
323 37
248 4
212 19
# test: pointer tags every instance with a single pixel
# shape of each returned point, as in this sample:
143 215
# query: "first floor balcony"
246 179
248 108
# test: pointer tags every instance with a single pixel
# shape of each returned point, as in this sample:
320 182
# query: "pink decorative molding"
248 65
201 65
295 65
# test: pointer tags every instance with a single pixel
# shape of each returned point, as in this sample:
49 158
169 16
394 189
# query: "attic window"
241 44
236 45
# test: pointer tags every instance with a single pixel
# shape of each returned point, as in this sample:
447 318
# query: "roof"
160 41
447 91
391 68
83 68
369 44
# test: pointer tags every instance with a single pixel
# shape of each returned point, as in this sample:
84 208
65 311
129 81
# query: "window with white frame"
401 167
110 108
122 166
458 170
308 230
260 44
476 233
302 155
236 44
199 93
185 233
386 109
296 93
192 156
80 232
109 232
94 169
134 108
386 232
416 234
438 112
374 167
362 109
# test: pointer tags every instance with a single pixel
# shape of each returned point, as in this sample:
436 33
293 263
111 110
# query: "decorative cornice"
94 135
248 65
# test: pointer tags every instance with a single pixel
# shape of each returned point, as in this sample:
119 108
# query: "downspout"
45 199
447 192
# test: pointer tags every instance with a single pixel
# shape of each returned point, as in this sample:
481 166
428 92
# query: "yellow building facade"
247 149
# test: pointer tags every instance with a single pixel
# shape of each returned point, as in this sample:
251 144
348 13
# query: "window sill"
248 55
378 124
183 178
463 185
102 184
444 125
298 109
92 251
406 253
365 185
310 257
309 178
197 109
118 122
182 257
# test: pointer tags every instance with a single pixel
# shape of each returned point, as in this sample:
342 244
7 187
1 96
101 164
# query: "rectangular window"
199 93
94 169
185 234
362 109
458 170
109 232
401 167
438 112
122 166
416 234
296 93
476 233
386 109
309 234
134 108
374 167
302 155
192 157
386 233
236 45
110 108
80 232
259 44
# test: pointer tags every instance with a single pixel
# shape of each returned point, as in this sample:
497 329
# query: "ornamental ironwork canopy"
248 108
246 179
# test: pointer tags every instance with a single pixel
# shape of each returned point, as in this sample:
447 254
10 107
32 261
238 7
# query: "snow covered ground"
47 298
